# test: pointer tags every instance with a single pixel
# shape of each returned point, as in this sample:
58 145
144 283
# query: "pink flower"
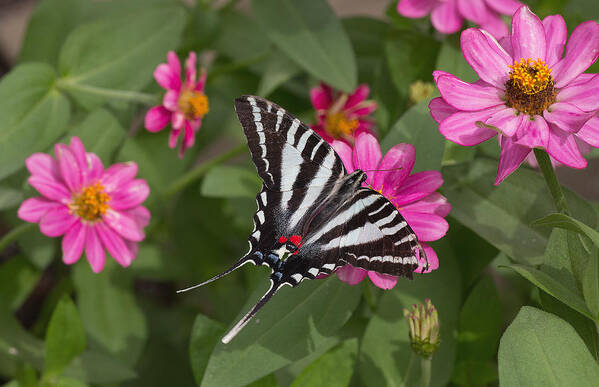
339 115
184 104
95 209
413 194
447 16
528 93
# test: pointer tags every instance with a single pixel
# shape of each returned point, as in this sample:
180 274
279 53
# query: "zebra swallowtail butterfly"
313 216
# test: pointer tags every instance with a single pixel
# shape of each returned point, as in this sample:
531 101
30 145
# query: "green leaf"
553 287
33 114
205 334
334 368
279 69
101 134
474 373
590 286
118 52
452 60
568 223
17 279
65 338
10 197
70 382
38 248
416 127
303 318
312 36
540 349
97 368
229 182
114 322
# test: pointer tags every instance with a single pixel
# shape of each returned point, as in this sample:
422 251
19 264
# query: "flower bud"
424 328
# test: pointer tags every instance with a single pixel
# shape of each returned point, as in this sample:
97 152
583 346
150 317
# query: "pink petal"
434 203
173 138
556 35
362 109
475 10
383 281
486 56
321 97
157 118
581 95
415 8
50 188
464 127
178 121
33 209
566 116
562 147
345 152
466 96
96 168
495 26
130 195
428 227
581 52
114 244
507 120
416 187
367 154
445 17
80 155
133 248
506 7
528 35
351 275
512 155
190 70
124 225
430 263
359 95
73 242
57 221
43 165
440 109
395 167
94 250
534 133
506 44
589 133
69 167
141 215
202 81
118 175
169 75
171 101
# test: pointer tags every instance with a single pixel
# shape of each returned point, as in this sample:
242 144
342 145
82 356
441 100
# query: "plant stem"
425 366
124 95
201 169
13 234
551 179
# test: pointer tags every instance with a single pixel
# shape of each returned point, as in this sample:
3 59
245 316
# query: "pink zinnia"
447 16
413 194
339 115
95 209
527 93
184 104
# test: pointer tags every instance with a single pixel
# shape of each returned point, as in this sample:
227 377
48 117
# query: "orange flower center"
91 203
193 104
530 87
338 125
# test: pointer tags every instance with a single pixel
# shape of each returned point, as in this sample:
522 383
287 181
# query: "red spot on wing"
282 239
296 240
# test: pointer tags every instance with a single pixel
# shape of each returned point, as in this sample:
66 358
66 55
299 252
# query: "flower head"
184 104
95 209
447 16
424 328
527 93
412 194
339 115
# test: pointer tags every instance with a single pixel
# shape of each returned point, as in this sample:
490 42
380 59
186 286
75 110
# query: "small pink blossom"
413 194
184 104
95 209
530 92
447 16
339 115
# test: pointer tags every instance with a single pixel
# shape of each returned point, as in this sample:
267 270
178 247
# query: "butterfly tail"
236 266
274 287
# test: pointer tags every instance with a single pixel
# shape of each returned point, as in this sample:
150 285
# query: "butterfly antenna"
236 266
243 322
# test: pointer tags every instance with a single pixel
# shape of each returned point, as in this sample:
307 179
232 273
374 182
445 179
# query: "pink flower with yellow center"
528 93
95 209
447 16
184 104
340 115
412 193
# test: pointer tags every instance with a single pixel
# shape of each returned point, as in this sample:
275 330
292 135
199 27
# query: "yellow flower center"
338 125
91 203
530 87
193 104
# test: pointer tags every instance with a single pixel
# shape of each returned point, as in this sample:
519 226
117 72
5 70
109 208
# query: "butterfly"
313 217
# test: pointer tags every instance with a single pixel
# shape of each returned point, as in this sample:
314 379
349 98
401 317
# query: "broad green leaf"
568 223
303 318
334 368
101 134
312 36
553 287
34 114
113 321
204 336
590 286
10 197
38 248
118 52
65 338
70 382
241 38
540 349
386 356
229 182
18 278
502 215
98 368
279 69
417 127
474 373
452 60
